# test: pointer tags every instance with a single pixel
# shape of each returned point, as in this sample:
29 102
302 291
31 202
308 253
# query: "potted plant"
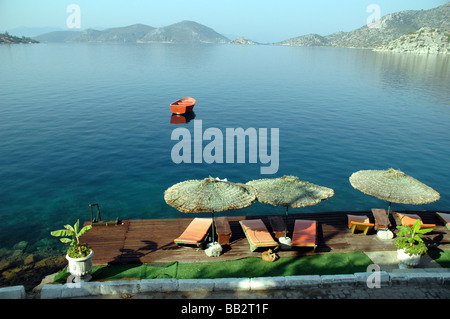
410 246
79 256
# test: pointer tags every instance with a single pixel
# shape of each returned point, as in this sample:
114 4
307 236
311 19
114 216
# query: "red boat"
183 105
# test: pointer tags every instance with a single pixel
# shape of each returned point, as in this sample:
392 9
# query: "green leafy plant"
76 250
410 239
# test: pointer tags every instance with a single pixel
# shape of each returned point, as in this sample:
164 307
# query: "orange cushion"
257 232
304 233
410 219
196 231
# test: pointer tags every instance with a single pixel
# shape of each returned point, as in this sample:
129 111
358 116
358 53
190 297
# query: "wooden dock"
151 240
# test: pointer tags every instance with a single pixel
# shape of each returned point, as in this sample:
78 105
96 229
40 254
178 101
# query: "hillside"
424 41
57 36
392 27
185 31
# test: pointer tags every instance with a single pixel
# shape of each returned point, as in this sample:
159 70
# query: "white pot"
406 259
80 267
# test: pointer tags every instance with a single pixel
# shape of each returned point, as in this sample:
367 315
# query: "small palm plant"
76 250
410 239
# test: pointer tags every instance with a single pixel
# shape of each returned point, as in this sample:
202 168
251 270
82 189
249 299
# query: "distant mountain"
185 31
392 26
32 31
130 34
57 36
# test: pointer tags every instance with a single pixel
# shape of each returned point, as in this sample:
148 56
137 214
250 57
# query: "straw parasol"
209 195
393 186
289 191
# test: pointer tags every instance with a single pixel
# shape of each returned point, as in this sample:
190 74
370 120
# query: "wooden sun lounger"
196 233
304 234
359 223
445 218
410 219
380 216
223 230
278 226
257 234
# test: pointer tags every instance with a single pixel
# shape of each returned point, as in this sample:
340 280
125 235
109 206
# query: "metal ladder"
98 220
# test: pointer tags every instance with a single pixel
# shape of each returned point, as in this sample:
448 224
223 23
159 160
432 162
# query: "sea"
90 123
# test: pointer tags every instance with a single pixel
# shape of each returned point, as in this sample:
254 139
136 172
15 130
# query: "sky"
259 20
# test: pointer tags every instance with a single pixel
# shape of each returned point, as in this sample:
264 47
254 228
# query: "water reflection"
182 118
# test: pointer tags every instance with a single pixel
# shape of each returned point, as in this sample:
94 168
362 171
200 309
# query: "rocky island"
243 40
11 39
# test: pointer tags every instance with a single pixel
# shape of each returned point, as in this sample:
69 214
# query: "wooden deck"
151 240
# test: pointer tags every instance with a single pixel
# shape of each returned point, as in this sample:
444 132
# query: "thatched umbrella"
289 191
393 186
209 195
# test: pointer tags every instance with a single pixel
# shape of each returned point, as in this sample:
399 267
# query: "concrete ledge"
266 283
13 292
118 287
445 279
372 278
424 278
85 289
195 284
236 284
51 291
82 289
158 285
398 278
293 282
338 280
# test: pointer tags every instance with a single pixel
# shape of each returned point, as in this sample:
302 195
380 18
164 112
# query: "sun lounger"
359 223
304 234
196 233
380 216
257 234
410 219
278 226
223 230
445 219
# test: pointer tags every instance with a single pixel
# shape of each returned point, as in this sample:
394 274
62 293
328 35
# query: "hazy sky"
259 20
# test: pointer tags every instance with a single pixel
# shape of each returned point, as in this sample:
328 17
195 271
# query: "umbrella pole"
212 227
387 217
285 222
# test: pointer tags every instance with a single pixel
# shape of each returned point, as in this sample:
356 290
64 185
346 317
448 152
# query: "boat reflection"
182 118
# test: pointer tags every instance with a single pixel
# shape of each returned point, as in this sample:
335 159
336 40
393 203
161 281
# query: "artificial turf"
320 264
442 257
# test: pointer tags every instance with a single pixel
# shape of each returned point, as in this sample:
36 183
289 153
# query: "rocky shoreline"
19 266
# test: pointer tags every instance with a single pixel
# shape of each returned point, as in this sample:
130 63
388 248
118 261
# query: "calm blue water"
86 123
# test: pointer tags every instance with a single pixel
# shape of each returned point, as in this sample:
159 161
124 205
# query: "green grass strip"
320 264
442 257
